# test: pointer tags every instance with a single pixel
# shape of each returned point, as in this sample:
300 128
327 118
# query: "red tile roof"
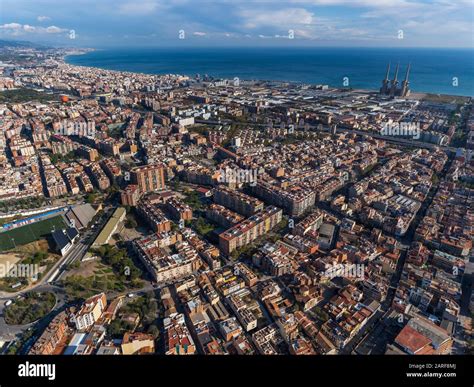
412 340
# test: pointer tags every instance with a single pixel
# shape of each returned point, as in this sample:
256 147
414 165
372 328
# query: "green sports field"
29 233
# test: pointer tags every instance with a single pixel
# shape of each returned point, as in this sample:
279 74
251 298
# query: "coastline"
67 56
81 52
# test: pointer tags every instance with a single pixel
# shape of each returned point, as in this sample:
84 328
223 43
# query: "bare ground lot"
86 269
23 254
7 259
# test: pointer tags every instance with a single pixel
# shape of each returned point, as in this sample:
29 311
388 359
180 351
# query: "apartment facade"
149 178
250 229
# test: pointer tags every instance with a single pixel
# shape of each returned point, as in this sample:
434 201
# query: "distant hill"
20 43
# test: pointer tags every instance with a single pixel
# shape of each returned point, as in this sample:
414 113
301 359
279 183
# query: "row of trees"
23 204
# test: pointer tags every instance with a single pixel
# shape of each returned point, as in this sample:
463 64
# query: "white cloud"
286 17
198 33
55 30
43 18
353 3
29 28
11 26
17 29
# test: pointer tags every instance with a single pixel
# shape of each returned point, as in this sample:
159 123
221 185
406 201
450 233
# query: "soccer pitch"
29 233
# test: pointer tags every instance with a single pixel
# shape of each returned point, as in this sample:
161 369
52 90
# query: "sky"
155 23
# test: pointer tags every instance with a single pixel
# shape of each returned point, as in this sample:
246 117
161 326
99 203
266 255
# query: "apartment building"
130 195
51 336
165 267
242 310
177 338
137 343
98 176
250 229
88 153
149 178
90 311
112 169
310 223
223 216
294 201
154 217
178 210
237 201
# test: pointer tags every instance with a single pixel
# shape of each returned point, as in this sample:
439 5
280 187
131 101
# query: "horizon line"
264 46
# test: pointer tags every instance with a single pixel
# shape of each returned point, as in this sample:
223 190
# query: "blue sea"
439 71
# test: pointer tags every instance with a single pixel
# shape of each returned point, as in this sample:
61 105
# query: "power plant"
391 87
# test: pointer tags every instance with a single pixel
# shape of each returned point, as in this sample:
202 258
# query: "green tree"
154 331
